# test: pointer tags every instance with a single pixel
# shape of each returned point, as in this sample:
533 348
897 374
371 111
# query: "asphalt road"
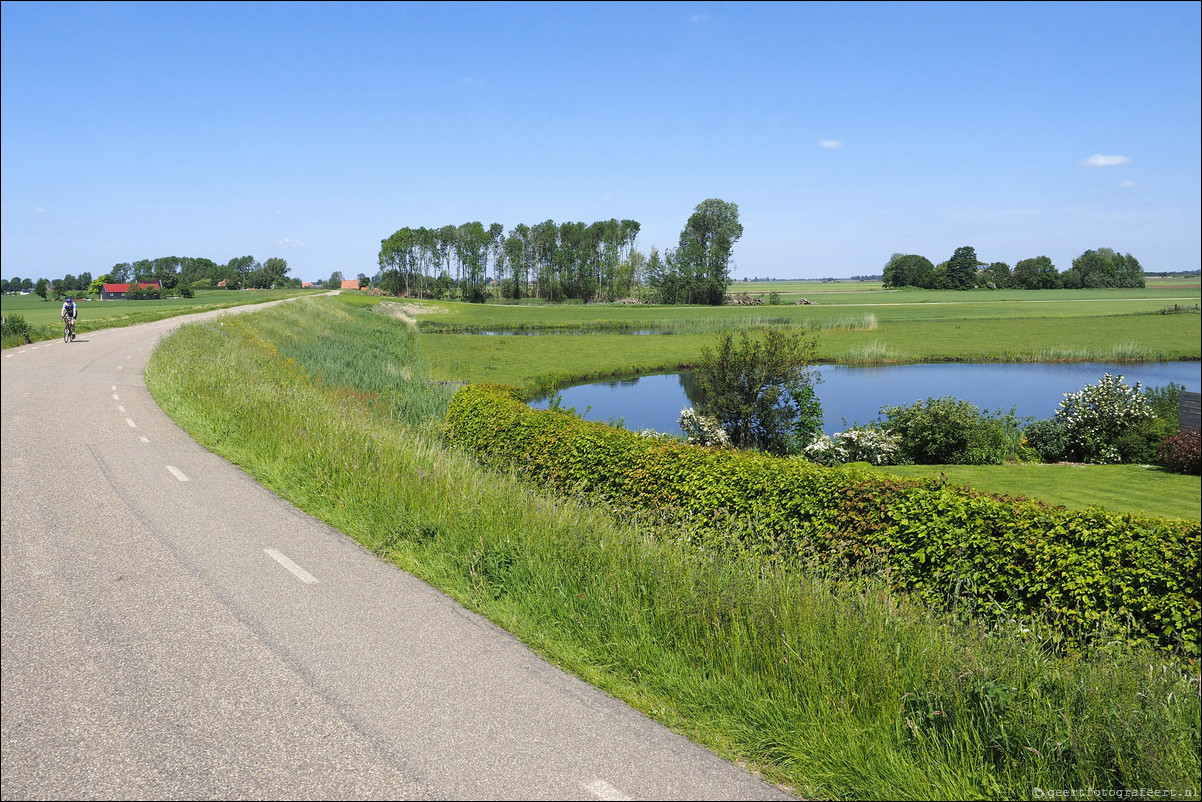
172 630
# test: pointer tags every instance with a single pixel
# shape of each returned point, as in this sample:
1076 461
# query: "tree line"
963 271
177 275
561 261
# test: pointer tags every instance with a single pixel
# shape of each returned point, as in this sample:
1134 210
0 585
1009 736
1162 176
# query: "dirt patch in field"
407 312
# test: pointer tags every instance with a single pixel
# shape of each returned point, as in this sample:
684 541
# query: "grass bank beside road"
831 687
43 316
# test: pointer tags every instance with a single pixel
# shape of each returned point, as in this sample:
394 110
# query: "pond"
857 394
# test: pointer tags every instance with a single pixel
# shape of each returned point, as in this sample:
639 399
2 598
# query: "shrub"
1182 452
757 388
860 444
1099 415
702 430
1088 573
948 431
16 327
1048 437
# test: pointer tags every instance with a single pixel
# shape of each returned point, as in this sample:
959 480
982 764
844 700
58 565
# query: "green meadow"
94 314
832 687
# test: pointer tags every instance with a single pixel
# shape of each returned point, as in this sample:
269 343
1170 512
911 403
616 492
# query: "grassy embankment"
832 688
94 315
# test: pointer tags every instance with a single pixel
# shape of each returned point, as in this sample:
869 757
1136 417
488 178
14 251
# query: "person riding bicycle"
70 313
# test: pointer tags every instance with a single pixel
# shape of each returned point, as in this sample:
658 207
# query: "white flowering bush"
703 430
1098 416
858 444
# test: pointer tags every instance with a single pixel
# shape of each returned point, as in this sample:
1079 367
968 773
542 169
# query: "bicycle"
68 329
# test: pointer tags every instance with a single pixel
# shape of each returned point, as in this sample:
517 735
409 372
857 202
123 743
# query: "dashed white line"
177 473
297 571
119 407
116 397
132 425
143 439
603 790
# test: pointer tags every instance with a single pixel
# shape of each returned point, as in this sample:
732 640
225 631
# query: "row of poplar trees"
559 261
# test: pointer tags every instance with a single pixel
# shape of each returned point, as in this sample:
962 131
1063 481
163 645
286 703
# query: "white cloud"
39 210
829 143
1126 183
290 243
1098 160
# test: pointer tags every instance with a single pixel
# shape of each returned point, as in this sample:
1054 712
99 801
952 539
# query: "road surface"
173 630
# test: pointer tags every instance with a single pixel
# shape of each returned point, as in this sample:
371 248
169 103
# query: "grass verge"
833 688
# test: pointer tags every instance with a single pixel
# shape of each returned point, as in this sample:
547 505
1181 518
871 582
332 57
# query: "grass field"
854 326
835 689
43 316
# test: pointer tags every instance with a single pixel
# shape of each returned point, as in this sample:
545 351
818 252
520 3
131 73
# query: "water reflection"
856 395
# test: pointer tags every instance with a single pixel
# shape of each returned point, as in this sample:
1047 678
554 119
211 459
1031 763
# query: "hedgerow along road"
173 630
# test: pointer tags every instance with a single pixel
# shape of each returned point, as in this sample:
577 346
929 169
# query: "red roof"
350 284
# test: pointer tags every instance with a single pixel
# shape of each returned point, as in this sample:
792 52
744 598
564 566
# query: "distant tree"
997 276
907 270
26 285
1036 274
98 284
335 280
1105 268
962 269
121 273
703 256
274 272
41 288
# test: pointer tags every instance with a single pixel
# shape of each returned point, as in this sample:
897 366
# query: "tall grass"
834 688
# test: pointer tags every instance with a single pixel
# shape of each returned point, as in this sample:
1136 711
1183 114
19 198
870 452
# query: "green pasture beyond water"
854 326
94 314
836 689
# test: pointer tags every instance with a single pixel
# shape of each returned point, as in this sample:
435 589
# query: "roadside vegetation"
30 318
834 685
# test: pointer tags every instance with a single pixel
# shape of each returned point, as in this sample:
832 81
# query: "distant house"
116 292
222 284
306 285
350 284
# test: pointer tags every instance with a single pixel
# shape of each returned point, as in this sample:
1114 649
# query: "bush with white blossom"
858 444
703 430
1097 416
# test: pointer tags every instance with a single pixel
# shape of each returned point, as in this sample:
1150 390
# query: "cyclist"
70 314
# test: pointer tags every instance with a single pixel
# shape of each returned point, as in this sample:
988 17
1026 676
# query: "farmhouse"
116 292
350 284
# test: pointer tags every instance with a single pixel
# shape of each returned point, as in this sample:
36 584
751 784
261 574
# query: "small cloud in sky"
1098 160
829 143
1126 183
290 243
39 210
699 19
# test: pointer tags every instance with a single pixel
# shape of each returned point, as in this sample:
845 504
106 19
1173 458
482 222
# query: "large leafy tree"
1036 274
908 270
1105 268
704 253
760 389
962 269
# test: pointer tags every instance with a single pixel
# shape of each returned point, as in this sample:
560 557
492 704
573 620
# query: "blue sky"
845 132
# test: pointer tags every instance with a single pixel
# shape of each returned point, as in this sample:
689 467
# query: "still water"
857 394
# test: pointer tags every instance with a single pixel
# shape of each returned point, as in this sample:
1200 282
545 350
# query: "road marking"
143 439
132 425
603 790
119 407
120 366
116 397
177 473
297 571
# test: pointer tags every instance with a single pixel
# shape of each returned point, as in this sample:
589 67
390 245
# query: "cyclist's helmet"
69 300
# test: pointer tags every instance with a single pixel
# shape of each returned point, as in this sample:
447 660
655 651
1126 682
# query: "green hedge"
1089 572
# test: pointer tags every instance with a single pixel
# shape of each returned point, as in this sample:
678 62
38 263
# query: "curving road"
173 630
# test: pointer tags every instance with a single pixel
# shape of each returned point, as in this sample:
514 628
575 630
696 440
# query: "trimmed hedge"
1088 572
